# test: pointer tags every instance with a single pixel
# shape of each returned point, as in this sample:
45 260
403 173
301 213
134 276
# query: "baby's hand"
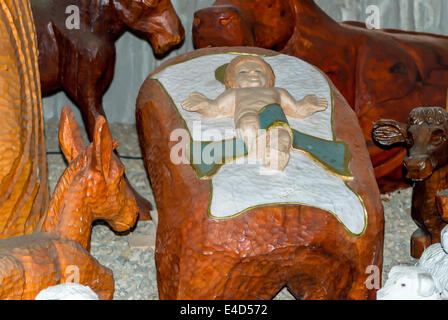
196 102
310 105
319 104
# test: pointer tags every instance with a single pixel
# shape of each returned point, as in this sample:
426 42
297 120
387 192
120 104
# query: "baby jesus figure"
249 82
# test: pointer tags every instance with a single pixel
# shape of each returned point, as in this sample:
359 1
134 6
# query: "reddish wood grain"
81 61
92 187
255 254
424 136
24 191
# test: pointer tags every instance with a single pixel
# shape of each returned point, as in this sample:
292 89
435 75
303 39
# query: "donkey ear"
389 132
70 137
103 146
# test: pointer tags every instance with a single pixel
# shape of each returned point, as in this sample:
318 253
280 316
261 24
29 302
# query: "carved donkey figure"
426 138
92 187
82 61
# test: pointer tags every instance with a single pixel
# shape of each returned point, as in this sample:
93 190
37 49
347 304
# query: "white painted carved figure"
435 261
409 283
249 82
67 291
427 280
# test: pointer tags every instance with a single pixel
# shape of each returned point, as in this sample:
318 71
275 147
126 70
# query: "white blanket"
241 185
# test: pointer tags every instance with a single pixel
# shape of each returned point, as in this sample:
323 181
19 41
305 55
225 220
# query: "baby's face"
250 74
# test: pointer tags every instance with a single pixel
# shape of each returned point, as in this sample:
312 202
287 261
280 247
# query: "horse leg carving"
83 83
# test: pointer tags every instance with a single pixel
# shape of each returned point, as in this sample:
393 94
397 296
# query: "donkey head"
154 19
425 136
101 179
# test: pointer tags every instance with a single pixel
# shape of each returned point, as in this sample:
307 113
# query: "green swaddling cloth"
207 157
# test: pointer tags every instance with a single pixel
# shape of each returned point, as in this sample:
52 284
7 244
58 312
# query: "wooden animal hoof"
420 240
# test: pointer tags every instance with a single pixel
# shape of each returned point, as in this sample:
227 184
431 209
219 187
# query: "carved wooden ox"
425 136
81 62
92 187
381 73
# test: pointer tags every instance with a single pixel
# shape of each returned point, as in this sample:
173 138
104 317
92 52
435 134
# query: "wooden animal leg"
78 266
420 240
87 72
88 100
87 75
12 278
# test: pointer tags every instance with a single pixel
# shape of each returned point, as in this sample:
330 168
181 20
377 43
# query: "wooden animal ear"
103 146
389 132
70 137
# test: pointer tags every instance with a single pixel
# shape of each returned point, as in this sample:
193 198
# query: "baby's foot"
278 148
276 159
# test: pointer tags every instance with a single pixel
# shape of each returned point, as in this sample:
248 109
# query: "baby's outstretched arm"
304 108
223 106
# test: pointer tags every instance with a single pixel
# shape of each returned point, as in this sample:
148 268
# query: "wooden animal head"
92 187
153 19
260 23
425 136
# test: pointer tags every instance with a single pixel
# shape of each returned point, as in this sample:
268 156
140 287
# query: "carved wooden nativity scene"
252 225
273 153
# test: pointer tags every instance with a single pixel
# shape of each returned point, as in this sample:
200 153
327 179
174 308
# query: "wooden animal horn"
70 137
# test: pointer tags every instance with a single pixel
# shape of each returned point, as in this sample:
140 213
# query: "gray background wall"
135 59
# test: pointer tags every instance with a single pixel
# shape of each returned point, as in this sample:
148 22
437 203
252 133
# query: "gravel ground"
134 267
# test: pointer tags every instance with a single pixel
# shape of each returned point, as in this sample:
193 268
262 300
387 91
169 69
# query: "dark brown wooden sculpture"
381 73
24 192
425 136
92 187
81 61
253 255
